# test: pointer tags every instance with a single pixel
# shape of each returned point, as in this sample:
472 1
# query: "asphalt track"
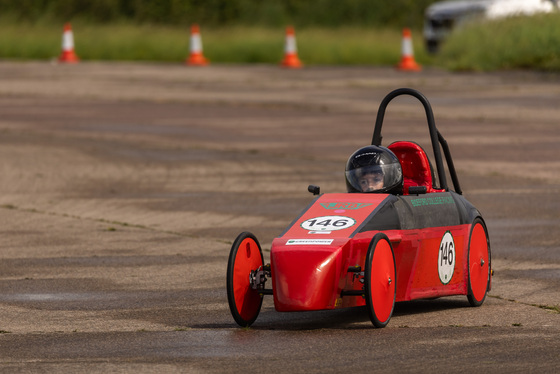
123 186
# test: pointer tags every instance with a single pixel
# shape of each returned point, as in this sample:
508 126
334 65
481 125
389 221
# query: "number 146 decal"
446 258
328 223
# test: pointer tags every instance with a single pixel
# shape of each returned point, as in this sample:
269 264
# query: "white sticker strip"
309 241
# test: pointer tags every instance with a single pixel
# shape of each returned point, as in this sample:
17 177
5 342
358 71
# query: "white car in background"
441 17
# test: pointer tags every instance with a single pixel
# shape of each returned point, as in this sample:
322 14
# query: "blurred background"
328 32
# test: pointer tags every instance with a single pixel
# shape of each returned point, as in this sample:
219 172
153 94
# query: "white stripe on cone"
290 46
196 43
406 47
67 40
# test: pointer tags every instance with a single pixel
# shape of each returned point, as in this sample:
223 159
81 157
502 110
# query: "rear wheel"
244 301
380 283
479 263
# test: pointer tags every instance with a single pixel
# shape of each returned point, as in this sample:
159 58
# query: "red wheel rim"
383 283
247 258
478 262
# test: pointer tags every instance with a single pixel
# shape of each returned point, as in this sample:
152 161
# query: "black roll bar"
435 136
450 164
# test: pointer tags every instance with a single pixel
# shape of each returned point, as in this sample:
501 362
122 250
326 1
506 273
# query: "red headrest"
415 165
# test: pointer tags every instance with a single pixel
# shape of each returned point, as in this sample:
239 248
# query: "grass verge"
238 44
511 43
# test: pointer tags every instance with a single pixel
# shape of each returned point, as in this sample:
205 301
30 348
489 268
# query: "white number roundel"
446 258
328 223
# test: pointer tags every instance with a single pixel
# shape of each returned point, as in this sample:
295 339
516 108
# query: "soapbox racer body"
356 249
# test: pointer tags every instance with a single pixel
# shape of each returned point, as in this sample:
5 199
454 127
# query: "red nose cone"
304 277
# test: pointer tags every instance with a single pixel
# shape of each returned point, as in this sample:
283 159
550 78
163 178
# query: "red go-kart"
356 249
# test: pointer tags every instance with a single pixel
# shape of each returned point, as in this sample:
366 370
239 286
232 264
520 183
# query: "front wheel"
244 301
380 283
479 263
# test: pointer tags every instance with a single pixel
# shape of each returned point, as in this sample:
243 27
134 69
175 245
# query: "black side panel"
467 211
385 217
430 210
417 212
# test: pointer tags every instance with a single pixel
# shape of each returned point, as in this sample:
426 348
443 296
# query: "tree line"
324 13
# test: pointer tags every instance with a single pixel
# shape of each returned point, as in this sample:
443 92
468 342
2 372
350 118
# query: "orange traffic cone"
407 59
68 54
196 58
291 59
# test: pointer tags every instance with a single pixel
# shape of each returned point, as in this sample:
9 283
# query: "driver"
371 180
374 169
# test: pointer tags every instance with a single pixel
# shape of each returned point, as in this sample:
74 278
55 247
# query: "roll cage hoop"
435 136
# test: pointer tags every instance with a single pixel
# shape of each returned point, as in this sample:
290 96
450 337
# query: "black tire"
245 256
479 263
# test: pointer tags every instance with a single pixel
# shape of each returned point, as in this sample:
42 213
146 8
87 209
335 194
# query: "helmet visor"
374 178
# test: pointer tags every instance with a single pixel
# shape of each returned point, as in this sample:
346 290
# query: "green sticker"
433 200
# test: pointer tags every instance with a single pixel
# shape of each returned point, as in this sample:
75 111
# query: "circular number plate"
446 258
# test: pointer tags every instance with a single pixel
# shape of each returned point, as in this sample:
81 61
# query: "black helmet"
374 169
